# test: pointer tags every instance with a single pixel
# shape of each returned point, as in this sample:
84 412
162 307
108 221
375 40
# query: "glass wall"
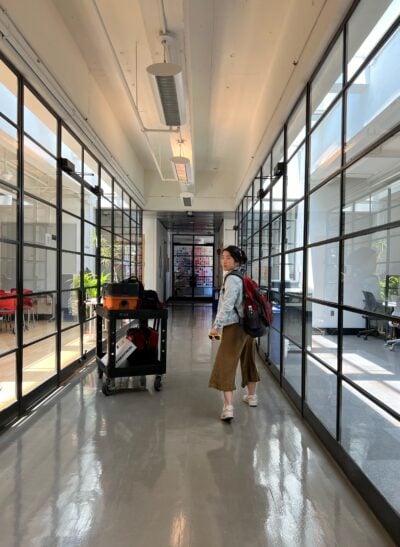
60 224
329 251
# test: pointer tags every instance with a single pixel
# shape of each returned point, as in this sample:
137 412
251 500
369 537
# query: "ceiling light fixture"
169 86
182 166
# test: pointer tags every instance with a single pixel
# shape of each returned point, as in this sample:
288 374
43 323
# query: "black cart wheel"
143 381
157 383
106 387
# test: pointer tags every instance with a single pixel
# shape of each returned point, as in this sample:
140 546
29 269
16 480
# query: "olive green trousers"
235 344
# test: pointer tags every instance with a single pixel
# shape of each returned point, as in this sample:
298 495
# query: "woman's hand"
213 332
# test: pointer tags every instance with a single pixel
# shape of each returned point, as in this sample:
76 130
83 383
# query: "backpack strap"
236 273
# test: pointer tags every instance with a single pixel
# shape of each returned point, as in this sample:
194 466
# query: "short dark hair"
237 254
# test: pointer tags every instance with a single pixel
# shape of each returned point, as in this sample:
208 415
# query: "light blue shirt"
230 297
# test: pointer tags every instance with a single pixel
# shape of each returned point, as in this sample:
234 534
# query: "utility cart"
107 370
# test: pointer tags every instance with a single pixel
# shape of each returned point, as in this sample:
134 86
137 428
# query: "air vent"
186 198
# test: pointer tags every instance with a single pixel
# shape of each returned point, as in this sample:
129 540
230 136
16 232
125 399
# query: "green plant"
90 282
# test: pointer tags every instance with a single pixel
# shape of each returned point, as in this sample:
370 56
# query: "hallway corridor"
148 469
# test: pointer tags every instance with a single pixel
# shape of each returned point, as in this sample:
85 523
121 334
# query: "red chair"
7 310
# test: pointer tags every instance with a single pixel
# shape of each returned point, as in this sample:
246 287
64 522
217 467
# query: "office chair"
395 331
370 304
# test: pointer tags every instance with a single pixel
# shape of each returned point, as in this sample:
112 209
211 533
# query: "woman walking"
235 343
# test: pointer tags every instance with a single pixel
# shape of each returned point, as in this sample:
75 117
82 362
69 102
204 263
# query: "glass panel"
372 439
8 391
8 305
118 247
249 220
294 273
117 222
328 82
324 212
90 169
266 208
105 266
105 244
367 25
90 239
276 272
256 245
89 205
8 213
373 100
8 92
255 271
368 262
39 364
321 393
277 198
69 307
39 316
372 188
89 335
126 227
8 153
39 123
274 339
326 146
40 172
117 195
118 271
321 332
323 272
8 266
295 177
293 318
125 202
71 233
39 269
106 185
368 362
292 364
70 346
295 227
276 229
71 195
296 130
71 150
265 241
106 214
70 267
40 223
264 268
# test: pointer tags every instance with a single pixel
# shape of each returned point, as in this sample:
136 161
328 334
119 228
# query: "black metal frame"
385 512
25 402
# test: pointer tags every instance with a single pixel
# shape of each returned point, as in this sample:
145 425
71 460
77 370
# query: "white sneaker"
251 400
227 413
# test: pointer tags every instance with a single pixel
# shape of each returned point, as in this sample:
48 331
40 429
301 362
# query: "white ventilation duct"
168 83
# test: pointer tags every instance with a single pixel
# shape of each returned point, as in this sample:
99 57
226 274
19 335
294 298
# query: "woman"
235 343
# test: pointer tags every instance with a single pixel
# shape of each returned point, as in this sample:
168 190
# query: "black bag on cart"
146 341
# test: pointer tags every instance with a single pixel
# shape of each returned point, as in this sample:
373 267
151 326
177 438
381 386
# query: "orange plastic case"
120 302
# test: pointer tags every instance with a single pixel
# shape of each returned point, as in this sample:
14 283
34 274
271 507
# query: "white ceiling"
244 62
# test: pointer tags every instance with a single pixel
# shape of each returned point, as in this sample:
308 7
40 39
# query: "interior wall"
57 52
211 193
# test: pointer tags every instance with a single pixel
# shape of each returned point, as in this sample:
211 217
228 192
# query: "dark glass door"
193 258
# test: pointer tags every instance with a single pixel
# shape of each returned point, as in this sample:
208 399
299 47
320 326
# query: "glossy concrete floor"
149 469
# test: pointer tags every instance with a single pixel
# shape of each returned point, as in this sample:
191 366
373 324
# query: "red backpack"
257 309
